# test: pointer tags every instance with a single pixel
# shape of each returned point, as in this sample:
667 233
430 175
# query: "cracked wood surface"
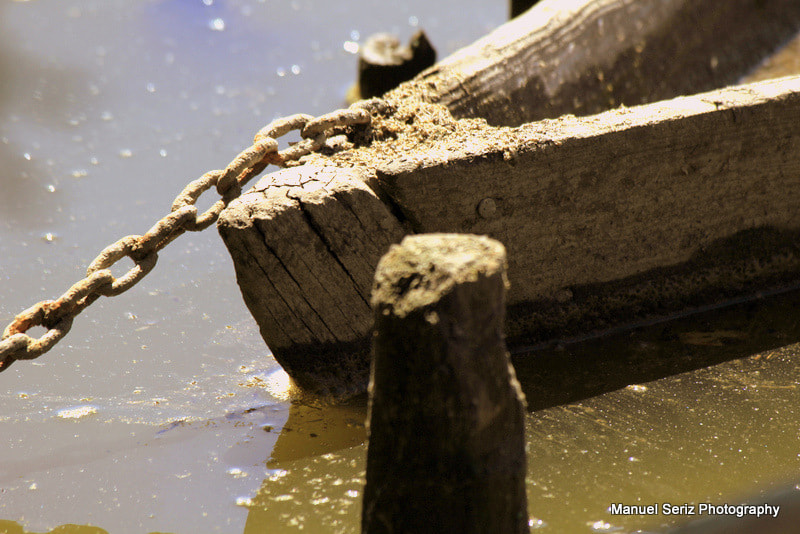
305 242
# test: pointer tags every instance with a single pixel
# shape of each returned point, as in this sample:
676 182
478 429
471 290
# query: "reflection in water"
10 527
314 430
715 434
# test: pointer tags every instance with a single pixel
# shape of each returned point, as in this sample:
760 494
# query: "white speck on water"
216 24
76 412
125 153
277 475
107 116
535 523
350 47
602 526
151 87
295 69
235 472
281 72
355 35
79 173
244 501
51 188
413 21
49 237
33 486
27 155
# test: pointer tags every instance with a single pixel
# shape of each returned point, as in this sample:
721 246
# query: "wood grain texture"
583 57
599 198
305 242
581 202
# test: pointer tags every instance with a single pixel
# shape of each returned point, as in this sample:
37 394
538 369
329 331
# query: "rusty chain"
57 315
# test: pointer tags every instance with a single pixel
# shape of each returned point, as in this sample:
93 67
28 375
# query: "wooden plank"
305 242
586 56
593 209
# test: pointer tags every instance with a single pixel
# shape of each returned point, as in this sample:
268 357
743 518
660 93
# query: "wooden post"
446 447
518 7
383 63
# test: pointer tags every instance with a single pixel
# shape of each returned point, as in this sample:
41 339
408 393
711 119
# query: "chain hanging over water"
57 315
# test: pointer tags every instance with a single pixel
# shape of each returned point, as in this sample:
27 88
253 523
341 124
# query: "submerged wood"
446 425
586 56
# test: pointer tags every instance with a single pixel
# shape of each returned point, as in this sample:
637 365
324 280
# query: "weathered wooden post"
446 449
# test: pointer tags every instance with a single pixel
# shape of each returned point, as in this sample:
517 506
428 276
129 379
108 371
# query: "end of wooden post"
446 450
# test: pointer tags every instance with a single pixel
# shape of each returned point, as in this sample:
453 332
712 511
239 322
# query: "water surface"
162 410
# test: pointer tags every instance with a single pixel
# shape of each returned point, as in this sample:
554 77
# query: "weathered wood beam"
613 218
629 213
586 56
305 242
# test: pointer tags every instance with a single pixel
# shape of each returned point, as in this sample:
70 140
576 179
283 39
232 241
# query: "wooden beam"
618 216
305 242
586 56
608 219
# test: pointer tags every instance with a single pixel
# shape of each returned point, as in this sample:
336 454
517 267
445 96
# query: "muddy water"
162 410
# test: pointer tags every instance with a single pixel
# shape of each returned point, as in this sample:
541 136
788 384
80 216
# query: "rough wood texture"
305 242
583 57
446 425
638 209
608 219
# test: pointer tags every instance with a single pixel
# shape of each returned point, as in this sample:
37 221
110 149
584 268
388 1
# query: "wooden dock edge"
607 219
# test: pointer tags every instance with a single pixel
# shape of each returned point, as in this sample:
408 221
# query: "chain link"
57 315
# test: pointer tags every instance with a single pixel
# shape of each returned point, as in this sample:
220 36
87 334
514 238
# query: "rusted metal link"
57 315
11 347
300 149
280 127
156 237
246 159
373 105
115 252
17 345
78 296
340 117
192 192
